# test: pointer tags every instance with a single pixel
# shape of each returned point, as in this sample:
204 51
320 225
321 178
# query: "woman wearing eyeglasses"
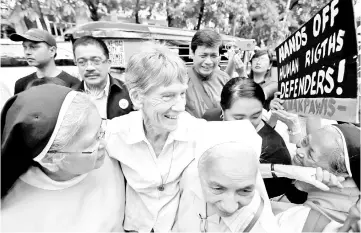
56 175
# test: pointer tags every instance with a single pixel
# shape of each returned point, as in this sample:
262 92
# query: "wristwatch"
273 170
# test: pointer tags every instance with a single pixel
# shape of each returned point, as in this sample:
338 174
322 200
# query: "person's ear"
222 114
109 64
52 51
137 98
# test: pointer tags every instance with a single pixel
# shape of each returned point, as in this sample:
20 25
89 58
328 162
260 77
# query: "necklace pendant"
160 188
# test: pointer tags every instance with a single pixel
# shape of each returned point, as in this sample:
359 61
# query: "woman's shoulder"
222 76
121 123
272 138
268 131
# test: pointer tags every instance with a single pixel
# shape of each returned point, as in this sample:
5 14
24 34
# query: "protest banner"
317 67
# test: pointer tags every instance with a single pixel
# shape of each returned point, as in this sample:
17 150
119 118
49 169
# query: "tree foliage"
267 21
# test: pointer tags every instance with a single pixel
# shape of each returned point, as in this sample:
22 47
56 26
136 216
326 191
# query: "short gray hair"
336 155
155 65
71 126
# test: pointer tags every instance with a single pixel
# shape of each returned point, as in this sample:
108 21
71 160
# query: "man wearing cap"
40 52
110 95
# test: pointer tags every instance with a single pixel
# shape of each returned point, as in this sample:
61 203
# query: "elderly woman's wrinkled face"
315 149
261 64
87 152
163 105
227 187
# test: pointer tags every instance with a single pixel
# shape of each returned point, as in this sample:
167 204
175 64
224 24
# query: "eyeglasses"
94 61
100 137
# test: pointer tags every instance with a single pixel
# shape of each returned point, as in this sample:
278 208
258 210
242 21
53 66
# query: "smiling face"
205 60
227 185
87 140
92 64
261 64
162 106
315 150
245 108
38 54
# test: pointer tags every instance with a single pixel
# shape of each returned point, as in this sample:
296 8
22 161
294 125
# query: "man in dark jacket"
40 52
110 95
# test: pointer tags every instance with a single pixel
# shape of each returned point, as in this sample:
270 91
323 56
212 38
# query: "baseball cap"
35 34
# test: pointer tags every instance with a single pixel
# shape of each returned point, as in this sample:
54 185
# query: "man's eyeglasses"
100 137
94 61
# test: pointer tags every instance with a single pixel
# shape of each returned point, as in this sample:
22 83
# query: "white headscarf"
217 132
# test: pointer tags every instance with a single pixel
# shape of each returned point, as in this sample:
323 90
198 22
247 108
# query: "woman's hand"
230 54
290 119
328 178
276 103
239 65
234 57
317 177
353 220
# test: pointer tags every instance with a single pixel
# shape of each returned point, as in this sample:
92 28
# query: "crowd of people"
170 148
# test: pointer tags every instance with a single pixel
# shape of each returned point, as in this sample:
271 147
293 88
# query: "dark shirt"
274 150
117 92
22 83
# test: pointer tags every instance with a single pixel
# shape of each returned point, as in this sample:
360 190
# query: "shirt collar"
136 131
106 88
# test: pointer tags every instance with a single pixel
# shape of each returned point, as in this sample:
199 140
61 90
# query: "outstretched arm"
315 176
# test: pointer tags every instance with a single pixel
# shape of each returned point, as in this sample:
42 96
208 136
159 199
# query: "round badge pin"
123 103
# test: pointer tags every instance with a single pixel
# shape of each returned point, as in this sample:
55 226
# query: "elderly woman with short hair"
156 143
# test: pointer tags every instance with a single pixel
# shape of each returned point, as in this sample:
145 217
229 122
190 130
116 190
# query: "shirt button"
160 188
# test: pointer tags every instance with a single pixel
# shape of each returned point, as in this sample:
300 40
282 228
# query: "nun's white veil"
217 132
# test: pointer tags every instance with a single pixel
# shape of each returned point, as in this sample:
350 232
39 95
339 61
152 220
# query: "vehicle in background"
124 39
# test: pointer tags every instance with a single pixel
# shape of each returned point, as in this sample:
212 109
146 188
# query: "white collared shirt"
148 208
101 99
